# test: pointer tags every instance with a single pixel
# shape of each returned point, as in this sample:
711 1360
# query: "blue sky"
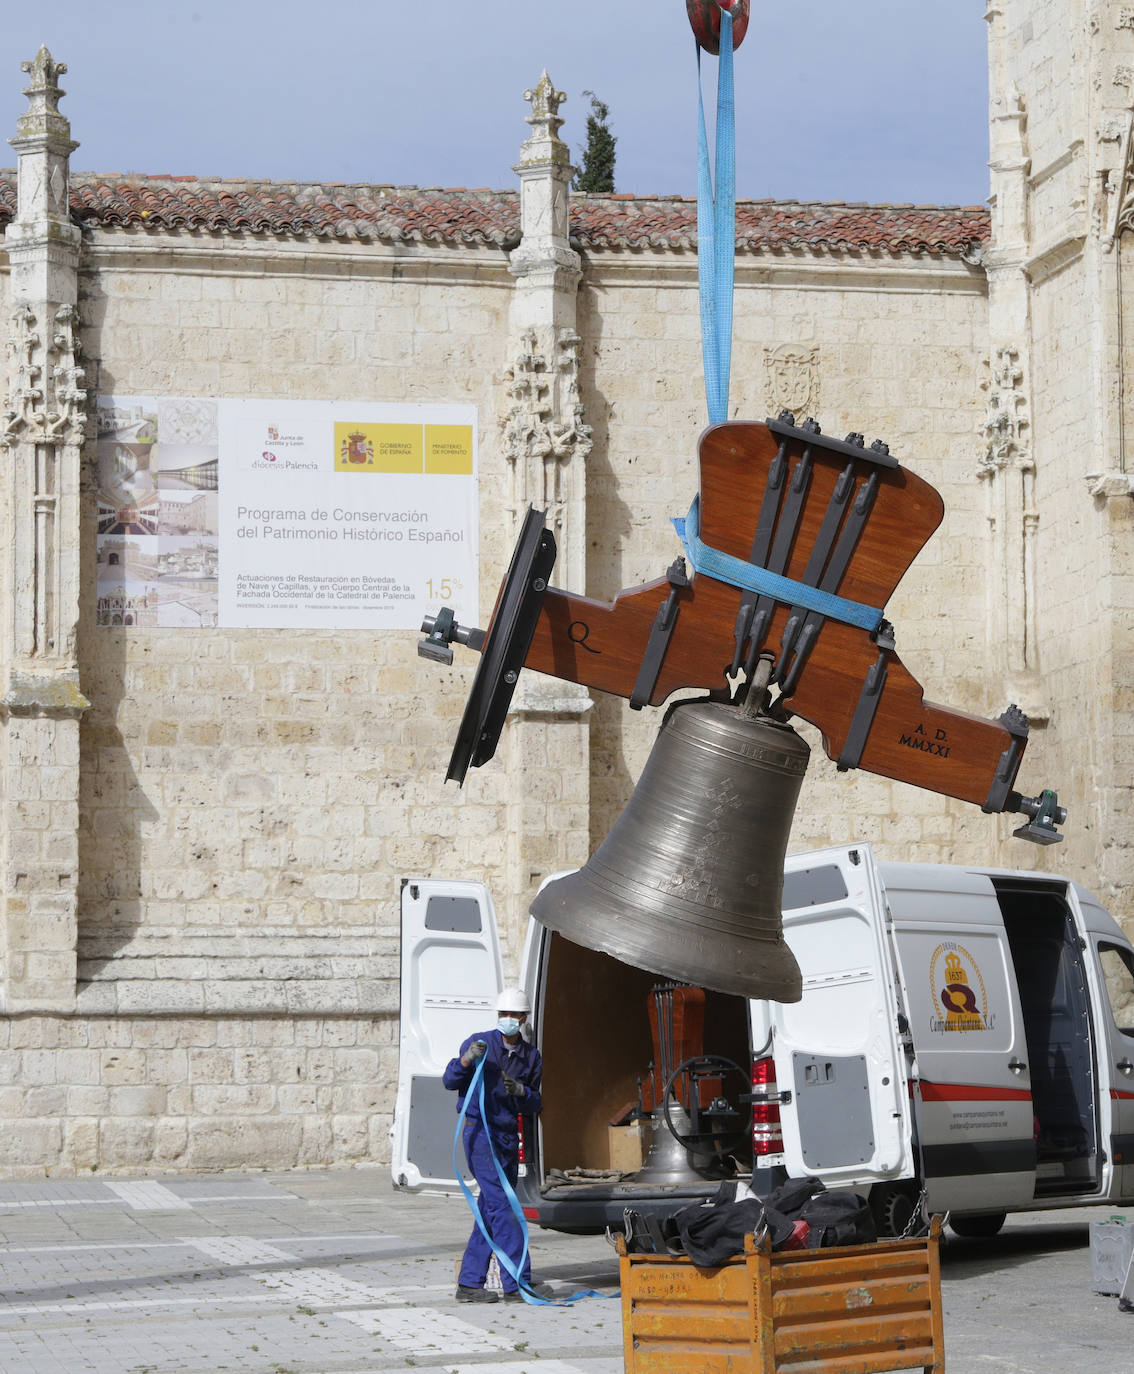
875 100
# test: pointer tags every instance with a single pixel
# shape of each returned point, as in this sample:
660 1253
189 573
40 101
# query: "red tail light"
523 1156
767 1136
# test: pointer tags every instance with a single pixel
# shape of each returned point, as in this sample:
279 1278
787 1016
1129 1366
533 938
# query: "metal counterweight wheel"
724 1141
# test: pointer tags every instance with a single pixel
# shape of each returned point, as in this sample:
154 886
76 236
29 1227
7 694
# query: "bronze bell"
688 882
668 1160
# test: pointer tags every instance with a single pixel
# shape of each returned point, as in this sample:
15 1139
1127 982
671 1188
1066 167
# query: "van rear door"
1111 973
451 976
838 1051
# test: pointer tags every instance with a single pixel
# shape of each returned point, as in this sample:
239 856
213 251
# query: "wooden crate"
853 1309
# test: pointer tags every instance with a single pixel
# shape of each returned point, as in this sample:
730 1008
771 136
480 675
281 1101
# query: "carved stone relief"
792 379
544 428
25 392
39 410
66 420
546 442
1006 419
1007 468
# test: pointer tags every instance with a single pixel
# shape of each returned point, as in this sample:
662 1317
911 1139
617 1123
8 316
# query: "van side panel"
973 1090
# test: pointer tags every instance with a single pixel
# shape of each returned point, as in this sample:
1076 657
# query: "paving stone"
332 1272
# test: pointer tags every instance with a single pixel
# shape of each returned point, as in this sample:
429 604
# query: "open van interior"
611 1035
1055 1005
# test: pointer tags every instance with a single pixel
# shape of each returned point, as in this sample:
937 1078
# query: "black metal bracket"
658 641
802 628
758 610
834 544
751 628
878 452
505 647
439 629
868 699
999 794
1044 814
442 630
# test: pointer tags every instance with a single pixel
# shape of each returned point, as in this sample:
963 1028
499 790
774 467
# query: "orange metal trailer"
853 1309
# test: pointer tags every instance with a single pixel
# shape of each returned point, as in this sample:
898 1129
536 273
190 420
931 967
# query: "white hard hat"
513 999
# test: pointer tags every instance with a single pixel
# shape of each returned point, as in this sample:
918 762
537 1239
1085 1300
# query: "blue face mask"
507 1025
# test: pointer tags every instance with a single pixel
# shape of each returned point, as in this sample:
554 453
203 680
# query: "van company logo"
958 990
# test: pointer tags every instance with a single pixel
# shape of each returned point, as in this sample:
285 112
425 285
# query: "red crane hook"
705 20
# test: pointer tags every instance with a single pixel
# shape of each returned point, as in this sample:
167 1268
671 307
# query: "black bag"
794 1194
708 1233
712 1233
838 1219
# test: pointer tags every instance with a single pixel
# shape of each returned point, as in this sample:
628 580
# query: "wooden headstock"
828 515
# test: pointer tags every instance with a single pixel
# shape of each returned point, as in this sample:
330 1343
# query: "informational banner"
287 514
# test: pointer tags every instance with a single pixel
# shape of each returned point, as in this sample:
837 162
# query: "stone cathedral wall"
251 799
1061 76
248 802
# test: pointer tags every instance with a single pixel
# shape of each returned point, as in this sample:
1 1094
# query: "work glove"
473 1053
514 1087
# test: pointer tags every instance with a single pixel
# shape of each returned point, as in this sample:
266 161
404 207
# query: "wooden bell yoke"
796 543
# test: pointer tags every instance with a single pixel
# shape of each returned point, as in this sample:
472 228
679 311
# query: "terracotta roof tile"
457 215
671 222
303 210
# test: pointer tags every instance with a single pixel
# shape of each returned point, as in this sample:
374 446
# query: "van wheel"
978 1226
893 1205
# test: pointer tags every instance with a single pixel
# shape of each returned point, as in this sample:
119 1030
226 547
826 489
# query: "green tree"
597 173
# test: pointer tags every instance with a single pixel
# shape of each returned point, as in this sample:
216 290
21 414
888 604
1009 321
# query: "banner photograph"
285 514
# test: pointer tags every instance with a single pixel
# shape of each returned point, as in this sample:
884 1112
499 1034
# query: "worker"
513 1070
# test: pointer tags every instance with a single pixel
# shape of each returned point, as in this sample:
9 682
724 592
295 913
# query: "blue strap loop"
735 571
503 1258
716 230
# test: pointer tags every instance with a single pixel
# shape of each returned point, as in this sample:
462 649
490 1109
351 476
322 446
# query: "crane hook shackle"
705 21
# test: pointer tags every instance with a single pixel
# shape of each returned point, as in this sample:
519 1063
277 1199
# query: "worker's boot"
465 1294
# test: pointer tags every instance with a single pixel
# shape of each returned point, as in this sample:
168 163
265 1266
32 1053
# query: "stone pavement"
298 1273
335 1273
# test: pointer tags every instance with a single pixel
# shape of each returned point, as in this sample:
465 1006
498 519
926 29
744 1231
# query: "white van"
966 1033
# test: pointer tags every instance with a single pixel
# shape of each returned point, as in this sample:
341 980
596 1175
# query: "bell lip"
786 986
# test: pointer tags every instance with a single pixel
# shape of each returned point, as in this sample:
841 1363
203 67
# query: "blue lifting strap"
735 571
503 1258
716 230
